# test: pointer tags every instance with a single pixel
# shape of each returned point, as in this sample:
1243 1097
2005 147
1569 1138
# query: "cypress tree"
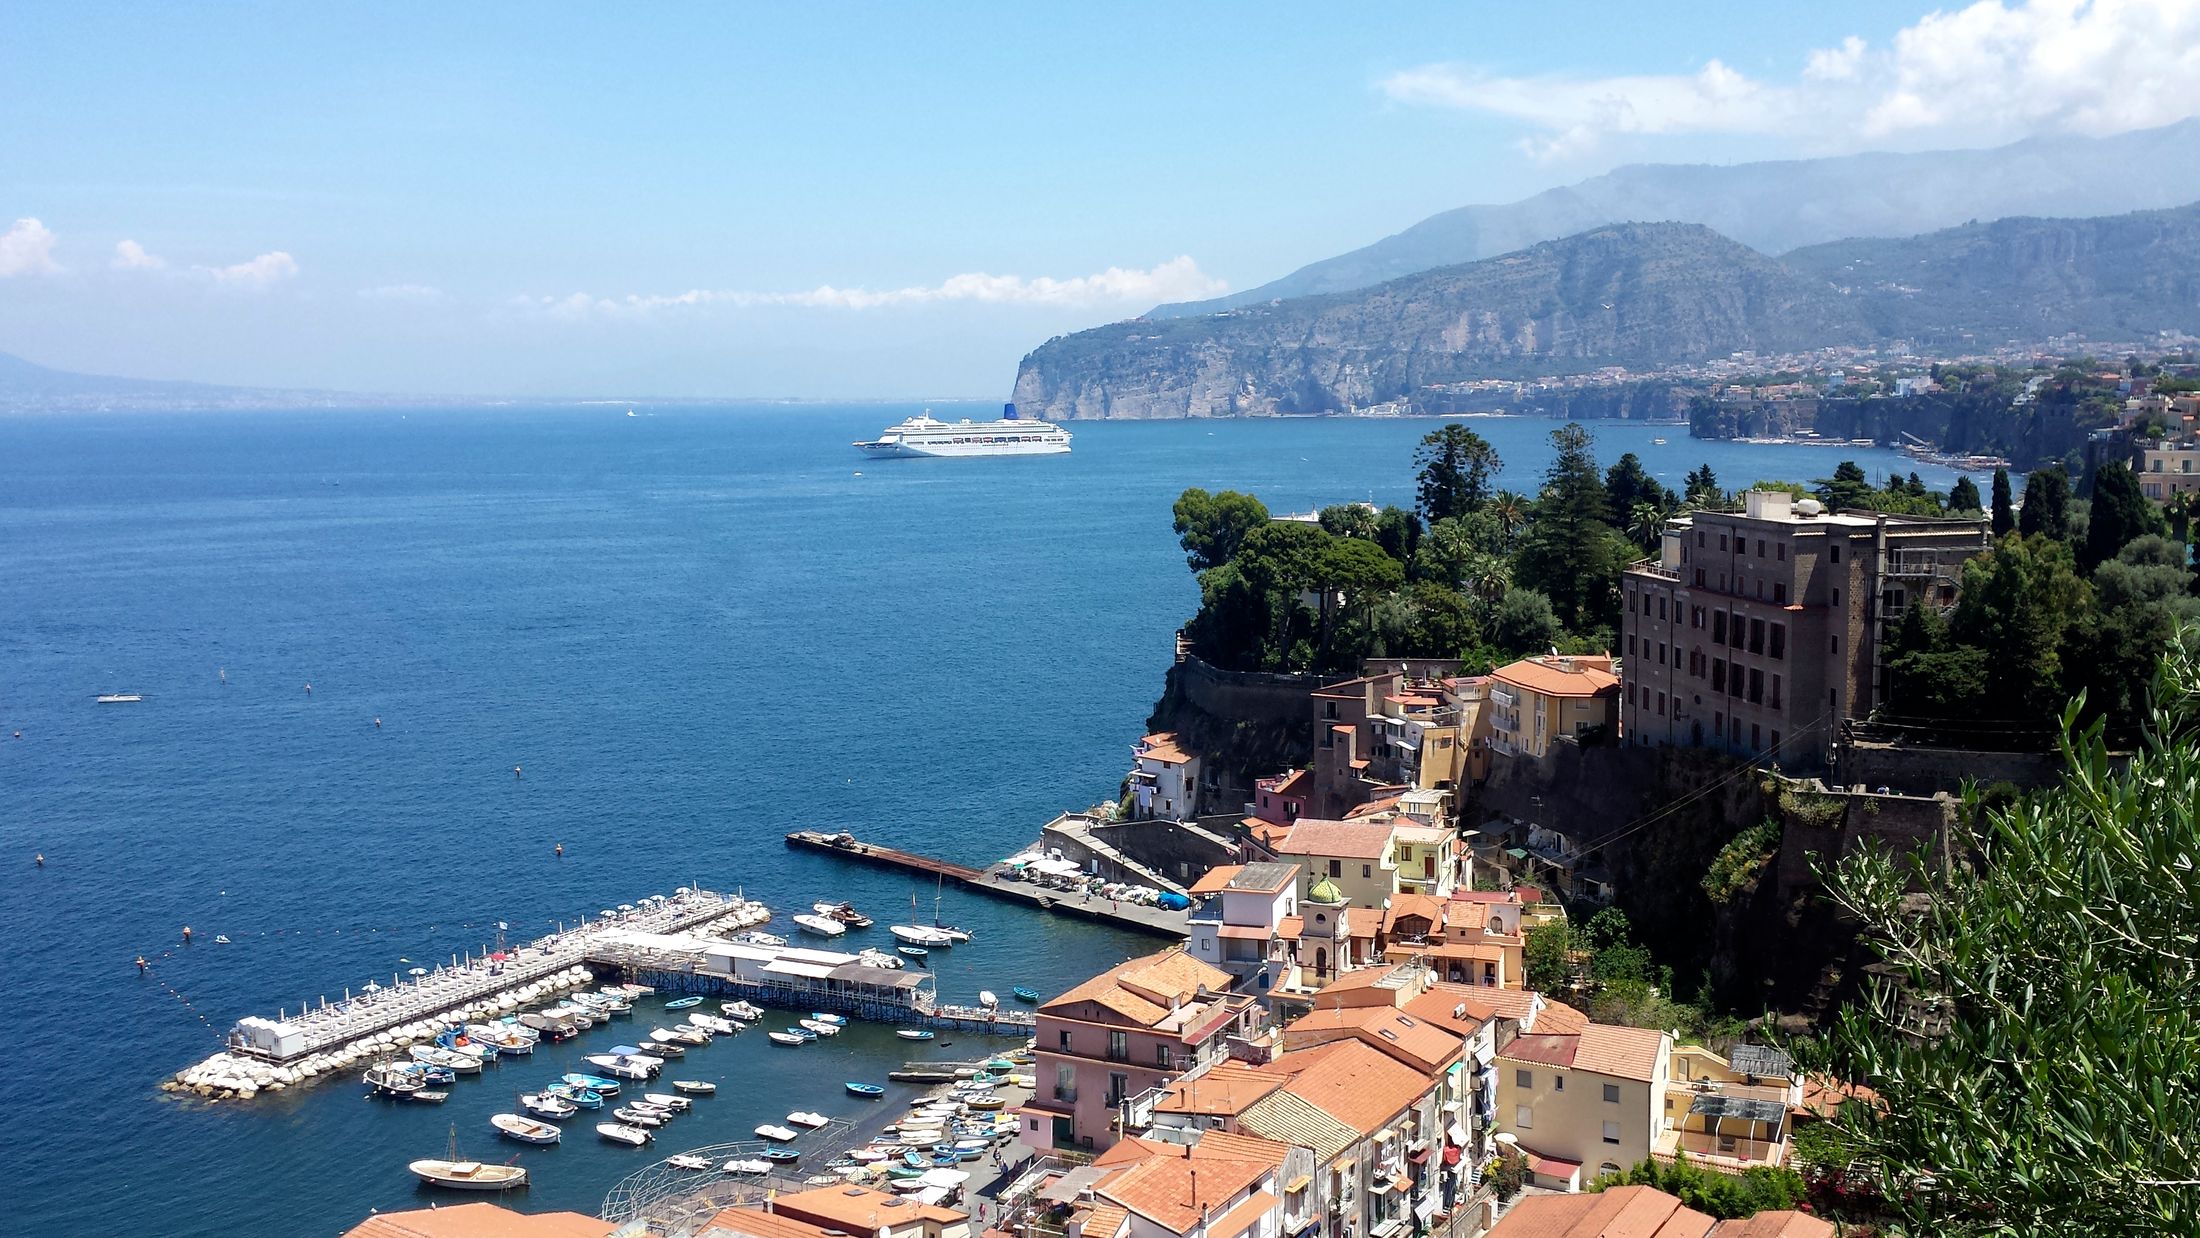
2119 513
2046 510
1963 496
2005 515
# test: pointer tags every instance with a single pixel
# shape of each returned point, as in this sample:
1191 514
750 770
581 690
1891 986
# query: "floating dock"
800 980
1131 916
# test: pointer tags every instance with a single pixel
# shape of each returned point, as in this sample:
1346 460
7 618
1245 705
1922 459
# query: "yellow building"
1536 700
1585 1104
1358 856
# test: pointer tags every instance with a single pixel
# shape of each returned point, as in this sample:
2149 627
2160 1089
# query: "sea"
660 641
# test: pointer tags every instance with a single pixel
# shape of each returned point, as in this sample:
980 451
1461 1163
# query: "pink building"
1137 1026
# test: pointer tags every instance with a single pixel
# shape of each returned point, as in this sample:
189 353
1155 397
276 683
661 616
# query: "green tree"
1441 623
1524 623
1964 496
2005 516
1628 486
1848 487
2036 1049
1355 572
2119 514
2046 510
1567 552
1546 957
1454 466
1210 527
1511 513
1347 520
1398 532
1929 676
2017 603
1703 488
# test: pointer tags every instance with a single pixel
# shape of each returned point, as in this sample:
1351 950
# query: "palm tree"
1511 511
1646 524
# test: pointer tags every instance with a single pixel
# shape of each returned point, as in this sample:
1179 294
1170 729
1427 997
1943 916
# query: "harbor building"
1762 631
1164 779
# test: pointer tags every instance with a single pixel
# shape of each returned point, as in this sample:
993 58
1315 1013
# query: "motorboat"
526 1130
638 1117
879 958
548 1106
954 935
636 990
694 1087
820 1027
915 1033
468 1175
594 1083
683 1003
689 1161
655 1111
868 1091
756 937
803 1032
665 1100
748 1165
782 1156
632 1136
389 1079
713 1024
987 999
578 1097
846 913
743 1011
462 1063
1029 997
435 1076
624 1068
806 1118
823 926
787 1038
668 1048
837 1020
777 1134
425 1096
920 935
866 1156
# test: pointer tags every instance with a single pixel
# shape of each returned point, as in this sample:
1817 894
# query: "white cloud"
1988 72
1178 279
264 271
418 294
131 256
27 249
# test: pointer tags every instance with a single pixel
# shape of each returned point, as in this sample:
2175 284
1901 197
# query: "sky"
891 200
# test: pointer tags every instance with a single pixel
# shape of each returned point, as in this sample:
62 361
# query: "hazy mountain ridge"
1639 295
1776 206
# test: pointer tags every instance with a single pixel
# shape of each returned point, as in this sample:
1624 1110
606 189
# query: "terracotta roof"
1130 989
1393 1033
1292 783
478 1220
1223 1145
860 1210
1621 1052
1172 1193
1289 927
1553 1166
1781 1224
1162 746
1403 904
1105 1221
1485 896
757 1223
1133 1149
1541 675
1213 881
1356 840
1265 877
1268 833
1362 921
1458 1008
1621 1212
1243 1217
1542 1050
1360 978
1379 805
1557 1016
1243 932
1359 1086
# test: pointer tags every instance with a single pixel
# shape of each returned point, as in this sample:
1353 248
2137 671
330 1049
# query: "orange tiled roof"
860 1210
1290 927
1216 878
1405 903
1362 922
1173 1194
478 1220
1622 1052
1222 1145
1622 1212
757 1223
1130 989
1780 1224
1389 1031
1381 804
1105 1221
1457 1007
1243 1217
1359 1086
1588 678
1355 840
1224 1090
1557 1016
1162 746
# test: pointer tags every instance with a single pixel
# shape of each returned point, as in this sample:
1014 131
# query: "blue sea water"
692 630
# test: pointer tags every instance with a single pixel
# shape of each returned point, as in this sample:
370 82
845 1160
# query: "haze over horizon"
884 201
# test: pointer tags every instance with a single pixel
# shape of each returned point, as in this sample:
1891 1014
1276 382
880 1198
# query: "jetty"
263 1054
1158 921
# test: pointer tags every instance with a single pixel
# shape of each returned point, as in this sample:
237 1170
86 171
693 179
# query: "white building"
1164 779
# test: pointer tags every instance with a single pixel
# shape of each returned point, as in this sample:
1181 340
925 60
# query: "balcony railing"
1504 697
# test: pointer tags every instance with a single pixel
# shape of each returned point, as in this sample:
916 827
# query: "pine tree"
1568 553
2046 511
1963 496
2119 514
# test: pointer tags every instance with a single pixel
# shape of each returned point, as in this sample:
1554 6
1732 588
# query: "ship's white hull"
951 447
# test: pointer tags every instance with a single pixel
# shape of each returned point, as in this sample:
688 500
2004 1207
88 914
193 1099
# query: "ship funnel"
1008 412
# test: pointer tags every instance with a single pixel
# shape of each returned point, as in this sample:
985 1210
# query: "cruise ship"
925 435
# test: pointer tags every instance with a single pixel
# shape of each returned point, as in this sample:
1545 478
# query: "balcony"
1504 697
1505 722
1067 1095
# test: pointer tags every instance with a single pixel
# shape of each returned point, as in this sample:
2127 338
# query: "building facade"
1761 631
1164 779
1536 701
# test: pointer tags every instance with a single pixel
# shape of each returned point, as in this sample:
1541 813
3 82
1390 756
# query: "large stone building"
1761 631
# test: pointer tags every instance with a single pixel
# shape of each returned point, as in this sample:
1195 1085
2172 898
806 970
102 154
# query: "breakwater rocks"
236 1076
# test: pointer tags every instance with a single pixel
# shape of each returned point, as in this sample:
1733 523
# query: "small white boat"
463 1063
619 1133
914 1033
469 1175
920 935
117 698
743 1011
867 1156
837 1020
821 1027
879 958
823 926
786 1038
638 1117
712 1023
987 1000
757 938
777 1134
804 1117
548 1107
677 1104
748 1167
526 1130
618 1067
687 1160
694 1087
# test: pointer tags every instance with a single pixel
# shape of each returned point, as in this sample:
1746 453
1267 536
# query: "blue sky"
881 200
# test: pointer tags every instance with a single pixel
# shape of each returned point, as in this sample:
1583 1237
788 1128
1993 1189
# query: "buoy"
309 689
515 771
40 858
142 964
377 724
561 852
187 932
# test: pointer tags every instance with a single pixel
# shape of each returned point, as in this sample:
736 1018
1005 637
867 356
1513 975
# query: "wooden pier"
1133 916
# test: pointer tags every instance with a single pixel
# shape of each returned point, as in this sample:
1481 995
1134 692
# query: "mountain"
28 387
1638 295
1629 294
1779 205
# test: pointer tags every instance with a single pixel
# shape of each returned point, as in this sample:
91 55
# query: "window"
1836 554
1524 1116
1607 1169
1755 740
1837 598
1779 645
1781 552
1065 1040
1699 538
1736 730
1756 636
1336 868
1661 610
1558 1083
1776 701
1718 676
1119 1047
1780 592
1718 722
1367 870
1718 627
1329 710
1119 1087
1630 644
1611 1093
1162 1057
1661 704
1775 741
1523 1078
1661 653
1833 644
1756 686
1722 541
1611 1132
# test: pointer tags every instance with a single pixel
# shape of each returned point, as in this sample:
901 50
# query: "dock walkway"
1133 916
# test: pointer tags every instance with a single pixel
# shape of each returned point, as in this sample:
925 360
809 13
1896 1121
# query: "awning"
1385 1136
1385 1188
1298 1184
1243 932
1457 1134
1418 1158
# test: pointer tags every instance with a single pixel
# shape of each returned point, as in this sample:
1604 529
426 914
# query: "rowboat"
629 1135
782 1156
915 1033
804 1032
694 1087
468 1175
594 1083
868 1091
786 1038
820 1027
837 1020
987 1103
780 1134
578 1097
1022 994
638 1117
915 952
425 1096
682 1003
526 1130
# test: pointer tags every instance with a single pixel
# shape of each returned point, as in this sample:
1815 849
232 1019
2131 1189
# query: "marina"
1159 921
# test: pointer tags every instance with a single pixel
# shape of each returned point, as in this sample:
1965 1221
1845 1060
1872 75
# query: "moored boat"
425 1096
665 1100
1026 995
594 1083
823 926
868 1091
748 1166
915 1033
782 1156
786 1038
525 1130
682 1003
694 1087
804 1117
777 1134
549 1106
744 1011
388 1079
633 1116
689 1161
846 913
820 1027
468 1175
633 1136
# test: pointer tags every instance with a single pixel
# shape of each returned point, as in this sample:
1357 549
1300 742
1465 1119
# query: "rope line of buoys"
146 969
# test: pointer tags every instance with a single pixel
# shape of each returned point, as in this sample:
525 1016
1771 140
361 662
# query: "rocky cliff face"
1630 294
